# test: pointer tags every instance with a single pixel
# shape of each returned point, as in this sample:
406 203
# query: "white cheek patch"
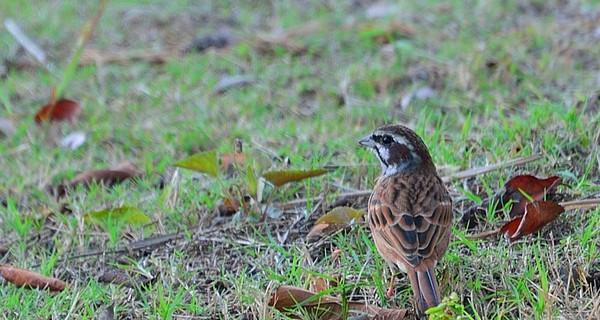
384 153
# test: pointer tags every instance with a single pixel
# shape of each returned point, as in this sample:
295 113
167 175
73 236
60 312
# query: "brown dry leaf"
279 178
123 278
288 297
522 187
335 219
61 110
319 284
108 177
537 215
30 279
285 298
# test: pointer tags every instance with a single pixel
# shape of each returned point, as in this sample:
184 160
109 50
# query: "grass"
509 80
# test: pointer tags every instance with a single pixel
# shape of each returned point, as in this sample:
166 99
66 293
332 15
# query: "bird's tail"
425 288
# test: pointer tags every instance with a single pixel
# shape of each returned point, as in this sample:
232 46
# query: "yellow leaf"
279 178
340 215
335 219
251 181
128 215
204 162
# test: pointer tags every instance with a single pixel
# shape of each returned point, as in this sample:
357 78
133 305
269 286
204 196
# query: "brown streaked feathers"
410 210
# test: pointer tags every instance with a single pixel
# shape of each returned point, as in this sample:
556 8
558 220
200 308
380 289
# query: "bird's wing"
412 229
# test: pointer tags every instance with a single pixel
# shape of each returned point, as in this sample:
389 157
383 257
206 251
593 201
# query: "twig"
91 56
456 176
152 242
473 172
581 204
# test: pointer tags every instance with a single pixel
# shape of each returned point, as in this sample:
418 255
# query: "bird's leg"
391 291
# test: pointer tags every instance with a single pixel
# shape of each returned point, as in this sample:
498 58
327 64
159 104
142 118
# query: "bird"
409 210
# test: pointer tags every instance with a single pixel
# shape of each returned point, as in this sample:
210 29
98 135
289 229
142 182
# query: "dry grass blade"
84 37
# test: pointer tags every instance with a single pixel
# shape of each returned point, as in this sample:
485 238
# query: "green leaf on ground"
203 162
128 215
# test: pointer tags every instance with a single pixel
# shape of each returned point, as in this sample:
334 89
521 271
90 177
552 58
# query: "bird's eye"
386 140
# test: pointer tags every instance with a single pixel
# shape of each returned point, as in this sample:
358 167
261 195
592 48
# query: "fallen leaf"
61 110
319 284
286 298
123 278
73 140
128 215
340 215
30 279
107 177
203 162
537 214
279 178
335 219
521 188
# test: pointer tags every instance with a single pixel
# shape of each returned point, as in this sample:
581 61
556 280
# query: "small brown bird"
410 210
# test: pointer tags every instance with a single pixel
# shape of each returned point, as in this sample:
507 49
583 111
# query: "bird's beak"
367 142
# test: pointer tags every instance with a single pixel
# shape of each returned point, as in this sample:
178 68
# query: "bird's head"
398 148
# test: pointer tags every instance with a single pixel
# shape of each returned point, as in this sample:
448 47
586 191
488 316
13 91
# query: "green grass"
510 79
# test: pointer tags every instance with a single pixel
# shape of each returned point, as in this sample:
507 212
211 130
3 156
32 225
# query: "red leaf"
533 187
61 110
537 214
30 279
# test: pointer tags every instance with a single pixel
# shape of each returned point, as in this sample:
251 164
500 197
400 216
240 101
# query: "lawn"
296 84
